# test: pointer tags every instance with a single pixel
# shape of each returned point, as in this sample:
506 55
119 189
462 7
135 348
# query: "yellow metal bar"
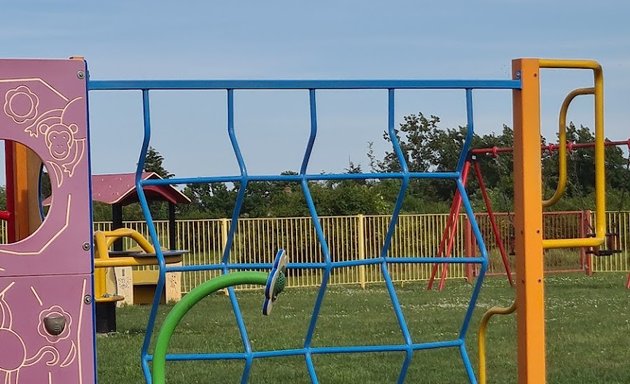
562 149
129 261
481 340
528 224
572 243
103 240
100 282
600 169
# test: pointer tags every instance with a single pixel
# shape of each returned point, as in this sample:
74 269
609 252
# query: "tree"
426 147
153 162
213 200
581 172
3 197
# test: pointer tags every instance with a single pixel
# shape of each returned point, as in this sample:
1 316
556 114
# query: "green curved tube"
186 303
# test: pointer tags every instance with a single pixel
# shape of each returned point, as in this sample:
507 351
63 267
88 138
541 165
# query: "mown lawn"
588 334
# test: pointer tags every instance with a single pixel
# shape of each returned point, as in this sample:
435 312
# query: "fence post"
586 230
468 251
361 241
224 235
224 239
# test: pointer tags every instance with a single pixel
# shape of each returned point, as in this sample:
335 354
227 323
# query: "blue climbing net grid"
326 265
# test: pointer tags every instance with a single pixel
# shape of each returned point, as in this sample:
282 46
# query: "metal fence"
362 237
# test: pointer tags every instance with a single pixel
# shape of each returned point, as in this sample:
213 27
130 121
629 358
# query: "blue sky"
314 40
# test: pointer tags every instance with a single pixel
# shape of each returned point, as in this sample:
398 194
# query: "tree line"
426 147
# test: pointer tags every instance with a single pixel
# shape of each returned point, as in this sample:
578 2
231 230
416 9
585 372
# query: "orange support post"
26 165
528 224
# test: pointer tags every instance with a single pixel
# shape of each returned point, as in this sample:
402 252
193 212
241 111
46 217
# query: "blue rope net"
326 265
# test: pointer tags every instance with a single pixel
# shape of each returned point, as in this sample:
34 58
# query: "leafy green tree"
3 197
581 173
425 148
350 196
211 201
154 162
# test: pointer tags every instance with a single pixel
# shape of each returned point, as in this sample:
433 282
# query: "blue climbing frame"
303 178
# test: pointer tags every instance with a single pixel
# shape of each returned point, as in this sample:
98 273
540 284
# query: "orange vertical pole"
25 189
20 191
528 223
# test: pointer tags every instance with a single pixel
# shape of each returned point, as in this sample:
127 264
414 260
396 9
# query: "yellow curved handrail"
562 148
105 239
481 340
600 176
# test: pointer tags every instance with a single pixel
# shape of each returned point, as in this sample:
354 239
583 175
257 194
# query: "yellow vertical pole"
361 241
224 234
528 223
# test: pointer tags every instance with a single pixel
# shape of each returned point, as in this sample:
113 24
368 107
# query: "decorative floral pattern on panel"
59 132
21 104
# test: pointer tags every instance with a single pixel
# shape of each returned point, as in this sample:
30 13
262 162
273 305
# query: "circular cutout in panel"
25 190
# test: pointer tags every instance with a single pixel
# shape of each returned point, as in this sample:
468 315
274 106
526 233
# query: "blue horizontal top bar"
118 85
298 178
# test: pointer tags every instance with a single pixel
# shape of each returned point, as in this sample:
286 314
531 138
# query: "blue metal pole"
154 237
122 85
470 131
313 133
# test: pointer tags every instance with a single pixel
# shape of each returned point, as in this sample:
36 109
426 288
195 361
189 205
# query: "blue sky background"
314 40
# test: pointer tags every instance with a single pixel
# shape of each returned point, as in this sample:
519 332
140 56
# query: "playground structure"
45 109
611 245
105 259
115 281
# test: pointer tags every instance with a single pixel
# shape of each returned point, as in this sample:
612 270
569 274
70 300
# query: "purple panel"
43 106
30 353
45 277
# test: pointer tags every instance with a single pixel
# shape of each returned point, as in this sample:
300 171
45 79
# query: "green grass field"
588 334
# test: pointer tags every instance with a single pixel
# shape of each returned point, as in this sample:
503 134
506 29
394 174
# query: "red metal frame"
449 232
448 236
8 214
493 223
586 260
495 151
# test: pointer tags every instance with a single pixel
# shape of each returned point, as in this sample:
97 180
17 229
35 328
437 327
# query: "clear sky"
314 40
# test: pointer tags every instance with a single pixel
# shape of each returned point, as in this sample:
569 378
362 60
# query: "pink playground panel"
45 280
